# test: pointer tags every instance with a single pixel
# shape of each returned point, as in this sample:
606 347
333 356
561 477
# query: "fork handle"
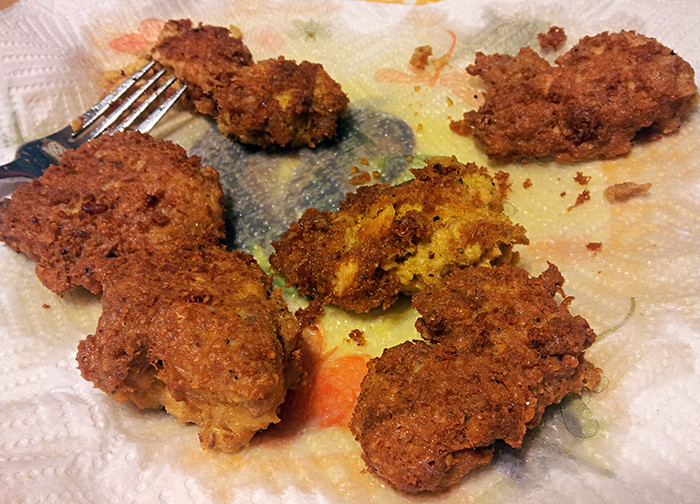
31 162
18 168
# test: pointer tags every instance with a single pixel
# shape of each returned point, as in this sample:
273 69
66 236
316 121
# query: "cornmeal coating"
385 239
501 350
278 102
600 94
272 103
204 57
202 333
112 196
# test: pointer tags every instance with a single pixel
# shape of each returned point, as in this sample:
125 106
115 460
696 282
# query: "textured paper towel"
63 441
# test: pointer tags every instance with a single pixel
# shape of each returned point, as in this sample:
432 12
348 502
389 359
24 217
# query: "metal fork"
34 157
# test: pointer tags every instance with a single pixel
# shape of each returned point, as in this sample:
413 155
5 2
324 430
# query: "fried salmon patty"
202 333
272 103
281 102
384 240
205 57
112 196
590 105
498 350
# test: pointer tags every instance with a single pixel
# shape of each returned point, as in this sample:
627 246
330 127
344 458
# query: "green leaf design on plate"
628 315
578 419
310 29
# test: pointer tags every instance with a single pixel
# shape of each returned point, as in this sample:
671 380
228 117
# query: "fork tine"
154 117
127 103
89 117
144 105
34 157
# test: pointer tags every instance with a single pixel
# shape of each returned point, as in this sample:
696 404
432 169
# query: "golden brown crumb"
502 349
503 185
202 333
581 199
358 337
419 58
362 178
625 190
385 239
461 127
308 317
46 306
590 105
111 197
553 39
594 246
582 179
527 184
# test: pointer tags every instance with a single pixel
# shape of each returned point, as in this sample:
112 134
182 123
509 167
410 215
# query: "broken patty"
384 240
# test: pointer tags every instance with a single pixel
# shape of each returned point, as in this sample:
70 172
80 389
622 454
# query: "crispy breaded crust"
272 103
204 57
281 102
112 196
507 306
412 416
385 239
202 333
502 350
590 105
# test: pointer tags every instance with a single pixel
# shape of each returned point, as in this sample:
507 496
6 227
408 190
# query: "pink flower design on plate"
132 43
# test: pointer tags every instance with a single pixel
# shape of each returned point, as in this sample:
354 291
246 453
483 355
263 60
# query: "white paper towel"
63 441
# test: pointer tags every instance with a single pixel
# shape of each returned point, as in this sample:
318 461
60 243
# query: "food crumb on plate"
594 246
625 190
581 178
361 178
358 337
581 199
553 39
